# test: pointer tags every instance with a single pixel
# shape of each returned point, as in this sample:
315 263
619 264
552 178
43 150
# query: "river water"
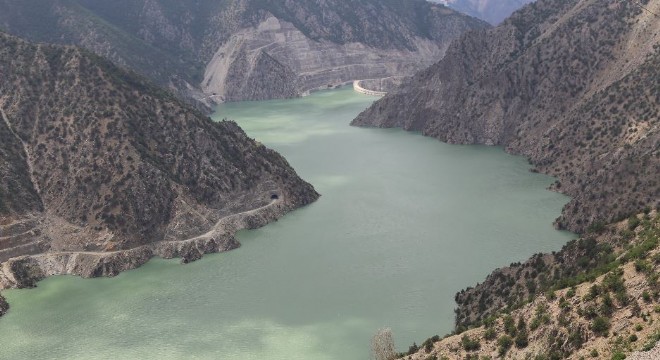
404 222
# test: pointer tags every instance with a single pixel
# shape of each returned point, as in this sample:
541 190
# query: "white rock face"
276 60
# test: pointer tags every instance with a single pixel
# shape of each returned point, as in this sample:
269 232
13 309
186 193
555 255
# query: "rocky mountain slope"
573 85
101 170
598 297
247 49
493 11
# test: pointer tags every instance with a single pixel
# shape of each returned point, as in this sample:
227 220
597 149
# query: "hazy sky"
493 11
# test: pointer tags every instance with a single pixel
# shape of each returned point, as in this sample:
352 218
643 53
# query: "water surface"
404 222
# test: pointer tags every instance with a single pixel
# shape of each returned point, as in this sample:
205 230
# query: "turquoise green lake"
404 223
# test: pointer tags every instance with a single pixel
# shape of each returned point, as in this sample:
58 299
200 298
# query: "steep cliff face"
573 85
493 11
247 49
96 160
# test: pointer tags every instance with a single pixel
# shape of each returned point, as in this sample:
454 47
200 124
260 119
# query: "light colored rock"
653 354
239 67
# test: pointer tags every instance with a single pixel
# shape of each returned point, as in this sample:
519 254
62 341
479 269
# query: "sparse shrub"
646 296
594 291
521 339
642 266
633 222
607 307
600 325
571 292
618 356
596 227
504 343
490 334
428 343
509 325
489 321
470 344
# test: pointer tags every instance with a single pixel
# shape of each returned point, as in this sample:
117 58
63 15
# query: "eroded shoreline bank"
26 271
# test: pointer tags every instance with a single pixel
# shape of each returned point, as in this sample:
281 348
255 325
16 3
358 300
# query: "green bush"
571 292
509 325
646 296
607 307
490 334
633 222
521 339
600 325
642 265
504 343
470 344
618 356
428 343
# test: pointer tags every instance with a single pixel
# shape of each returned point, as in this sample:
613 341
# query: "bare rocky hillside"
101 170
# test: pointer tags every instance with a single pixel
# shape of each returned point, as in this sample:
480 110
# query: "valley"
317 283
247 49
368 162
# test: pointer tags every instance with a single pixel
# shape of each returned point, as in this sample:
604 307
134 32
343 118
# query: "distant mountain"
247 49
573 85
493 11
99 170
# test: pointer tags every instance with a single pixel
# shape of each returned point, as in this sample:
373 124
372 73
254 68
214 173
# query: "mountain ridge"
177 45
533 87
104 170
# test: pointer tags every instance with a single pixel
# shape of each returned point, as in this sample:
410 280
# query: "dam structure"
377 87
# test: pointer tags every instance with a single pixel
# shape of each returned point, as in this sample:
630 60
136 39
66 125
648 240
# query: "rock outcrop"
247 49
101 170
275 59
572 85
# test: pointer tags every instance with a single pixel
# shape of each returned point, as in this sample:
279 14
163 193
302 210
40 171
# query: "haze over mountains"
493 11
247 49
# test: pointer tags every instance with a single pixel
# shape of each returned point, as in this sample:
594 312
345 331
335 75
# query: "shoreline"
26 271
